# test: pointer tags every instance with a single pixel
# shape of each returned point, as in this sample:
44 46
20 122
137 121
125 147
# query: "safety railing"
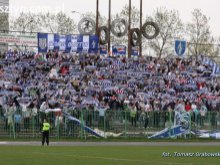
114 123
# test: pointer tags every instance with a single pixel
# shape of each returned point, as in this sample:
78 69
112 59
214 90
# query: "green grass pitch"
106 155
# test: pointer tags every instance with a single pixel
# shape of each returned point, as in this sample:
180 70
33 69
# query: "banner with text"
18 39
67 43
118 50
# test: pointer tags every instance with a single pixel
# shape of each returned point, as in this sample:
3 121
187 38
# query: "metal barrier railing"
114 123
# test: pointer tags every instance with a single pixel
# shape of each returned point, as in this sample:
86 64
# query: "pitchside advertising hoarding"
68 43
19 39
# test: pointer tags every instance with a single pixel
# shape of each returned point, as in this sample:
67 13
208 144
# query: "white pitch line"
3 143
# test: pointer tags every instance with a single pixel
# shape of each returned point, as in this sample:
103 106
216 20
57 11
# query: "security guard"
45 132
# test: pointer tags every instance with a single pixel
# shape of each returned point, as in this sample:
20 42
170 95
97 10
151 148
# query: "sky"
185 7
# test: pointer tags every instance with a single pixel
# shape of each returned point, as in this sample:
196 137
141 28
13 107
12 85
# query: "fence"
116 123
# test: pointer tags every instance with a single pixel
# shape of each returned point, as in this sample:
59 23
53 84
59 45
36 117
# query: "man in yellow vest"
45 132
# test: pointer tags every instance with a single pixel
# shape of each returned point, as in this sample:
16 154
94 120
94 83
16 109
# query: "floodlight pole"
140 46
109 27
129 30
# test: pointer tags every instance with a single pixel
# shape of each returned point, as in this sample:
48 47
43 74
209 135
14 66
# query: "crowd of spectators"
35 83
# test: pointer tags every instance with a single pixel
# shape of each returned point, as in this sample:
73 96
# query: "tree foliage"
201 41
57 23
170 26
43 22
25 22
4 21
197 32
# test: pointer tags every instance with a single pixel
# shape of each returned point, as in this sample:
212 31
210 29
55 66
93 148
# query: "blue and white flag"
215 67
180 48
81 123
67 43
182 122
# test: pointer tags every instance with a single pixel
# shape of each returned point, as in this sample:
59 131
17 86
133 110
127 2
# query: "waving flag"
211 63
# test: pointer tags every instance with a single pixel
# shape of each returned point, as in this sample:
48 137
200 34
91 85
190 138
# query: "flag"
68 43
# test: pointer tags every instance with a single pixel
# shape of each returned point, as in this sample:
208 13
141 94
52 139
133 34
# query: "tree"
4 21
57 23
25 22
200 40
170 26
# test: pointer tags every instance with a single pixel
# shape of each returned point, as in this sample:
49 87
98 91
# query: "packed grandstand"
33 83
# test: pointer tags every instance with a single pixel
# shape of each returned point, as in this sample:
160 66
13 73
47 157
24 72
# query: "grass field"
105 155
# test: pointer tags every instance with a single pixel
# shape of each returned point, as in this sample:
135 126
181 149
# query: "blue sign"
56 42
135 51
67 43
180 47
93 44
42 43
118 50
103 49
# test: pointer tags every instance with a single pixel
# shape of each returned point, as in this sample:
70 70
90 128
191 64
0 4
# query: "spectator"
133 115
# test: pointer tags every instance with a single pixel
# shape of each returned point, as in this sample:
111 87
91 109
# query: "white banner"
21 39
85 43
50 41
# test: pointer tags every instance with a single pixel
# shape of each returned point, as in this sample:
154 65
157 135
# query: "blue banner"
93 42
67 43
103 49
81 123
215 67
118 50
56 41
169 132
42 42
181 126
135 51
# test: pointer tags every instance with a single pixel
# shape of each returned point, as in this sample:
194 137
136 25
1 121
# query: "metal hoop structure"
86 26
135 41
105 30
156 27
116 27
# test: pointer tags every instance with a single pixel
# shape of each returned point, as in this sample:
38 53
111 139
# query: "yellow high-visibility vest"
46 126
